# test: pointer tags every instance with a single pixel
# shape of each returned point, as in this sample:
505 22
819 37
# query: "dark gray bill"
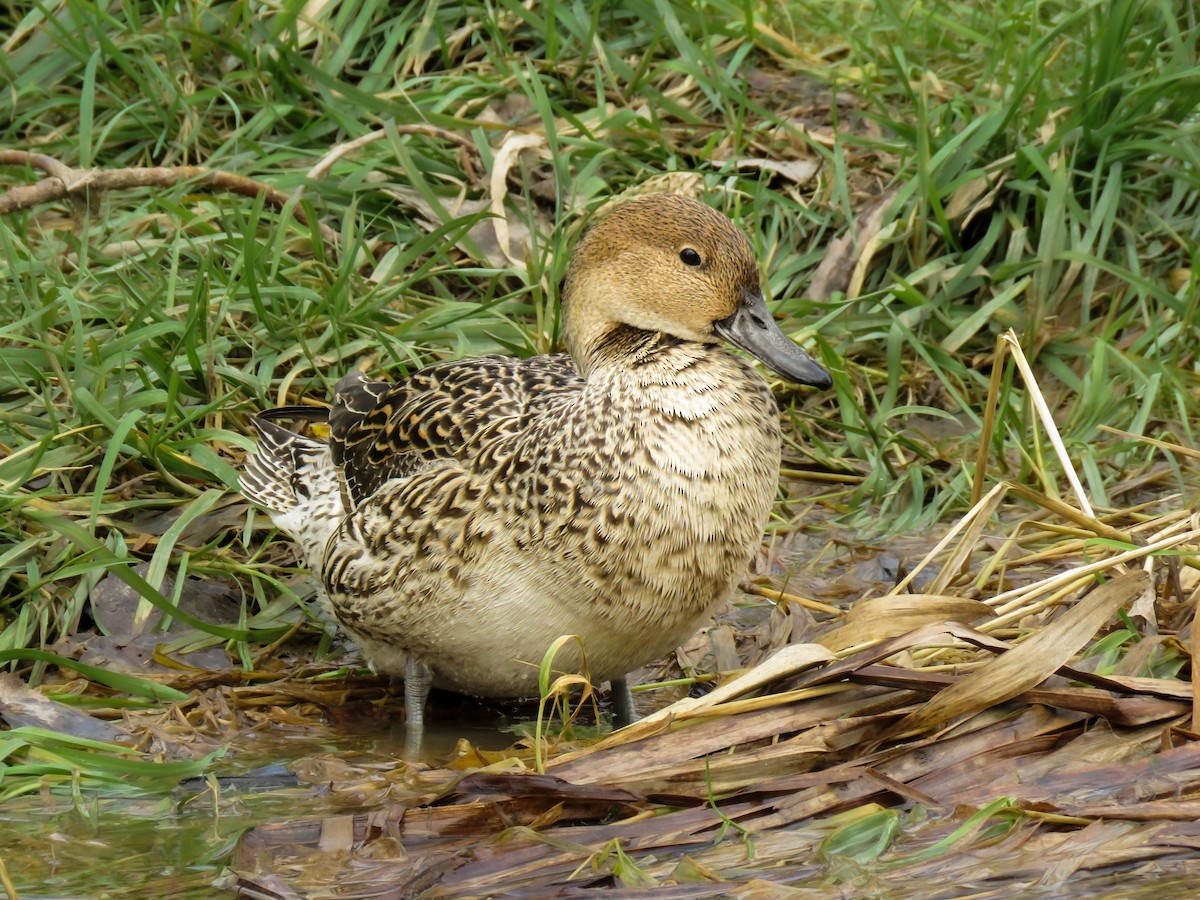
754 330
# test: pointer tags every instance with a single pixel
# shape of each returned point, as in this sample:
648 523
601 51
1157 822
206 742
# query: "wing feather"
380 430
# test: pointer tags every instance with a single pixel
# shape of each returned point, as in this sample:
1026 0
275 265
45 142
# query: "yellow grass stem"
989 421
1177 449
1006 602
10 889
1047 417
783 597
978 511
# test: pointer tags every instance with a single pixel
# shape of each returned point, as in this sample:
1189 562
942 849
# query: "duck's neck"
620 346
597 343
593 337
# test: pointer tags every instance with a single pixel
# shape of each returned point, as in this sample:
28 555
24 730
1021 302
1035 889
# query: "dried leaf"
800 171
883 618
1129 711
1096 766
724 649
506 157
788 661
544 786
847 258
973 526
973 198
1178 279
1030 662
623 763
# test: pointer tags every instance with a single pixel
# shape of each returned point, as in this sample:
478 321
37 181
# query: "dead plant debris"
1044 758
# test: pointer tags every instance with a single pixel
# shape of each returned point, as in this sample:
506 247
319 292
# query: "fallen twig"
66 182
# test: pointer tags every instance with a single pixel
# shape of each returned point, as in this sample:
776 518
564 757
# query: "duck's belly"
491 640
484 624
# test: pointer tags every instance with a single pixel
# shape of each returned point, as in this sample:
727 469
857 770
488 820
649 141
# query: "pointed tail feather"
269 477
293 478
286 470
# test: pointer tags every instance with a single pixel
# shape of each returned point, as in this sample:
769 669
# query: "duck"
460 521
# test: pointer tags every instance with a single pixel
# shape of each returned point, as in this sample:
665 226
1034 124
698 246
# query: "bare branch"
65 182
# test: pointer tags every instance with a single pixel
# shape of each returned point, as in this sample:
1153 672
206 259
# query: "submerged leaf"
866 839
20 705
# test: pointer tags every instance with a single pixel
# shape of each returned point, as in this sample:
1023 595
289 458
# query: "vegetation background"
400 183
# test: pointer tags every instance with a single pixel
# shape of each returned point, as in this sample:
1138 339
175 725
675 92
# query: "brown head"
665 263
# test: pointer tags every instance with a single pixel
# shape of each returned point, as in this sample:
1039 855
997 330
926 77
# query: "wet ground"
59 846
180 845
322 761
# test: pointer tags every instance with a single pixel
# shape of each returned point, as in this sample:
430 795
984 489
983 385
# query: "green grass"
1045 159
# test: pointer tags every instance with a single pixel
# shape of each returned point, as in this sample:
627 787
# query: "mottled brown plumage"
467 517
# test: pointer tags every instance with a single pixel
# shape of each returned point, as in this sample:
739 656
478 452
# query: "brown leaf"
883 618
1095 767
1129 711
487 784
950 769
1175 809
847 257
724 649
1030 662
625 763
788 661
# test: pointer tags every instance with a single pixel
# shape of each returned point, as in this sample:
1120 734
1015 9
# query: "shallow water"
57 846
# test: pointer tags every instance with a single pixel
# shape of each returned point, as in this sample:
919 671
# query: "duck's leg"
622 703
418 679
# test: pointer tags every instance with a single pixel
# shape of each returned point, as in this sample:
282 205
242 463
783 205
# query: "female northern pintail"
462 520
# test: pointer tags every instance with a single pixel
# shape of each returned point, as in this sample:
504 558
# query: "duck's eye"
690 257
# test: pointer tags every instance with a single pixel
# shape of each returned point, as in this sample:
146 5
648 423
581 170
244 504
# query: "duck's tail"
295 480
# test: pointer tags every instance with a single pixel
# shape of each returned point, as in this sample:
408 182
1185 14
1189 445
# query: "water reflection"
57 846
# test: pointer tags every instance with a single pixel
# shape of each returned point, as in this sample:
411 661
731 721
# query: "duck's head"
670 265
